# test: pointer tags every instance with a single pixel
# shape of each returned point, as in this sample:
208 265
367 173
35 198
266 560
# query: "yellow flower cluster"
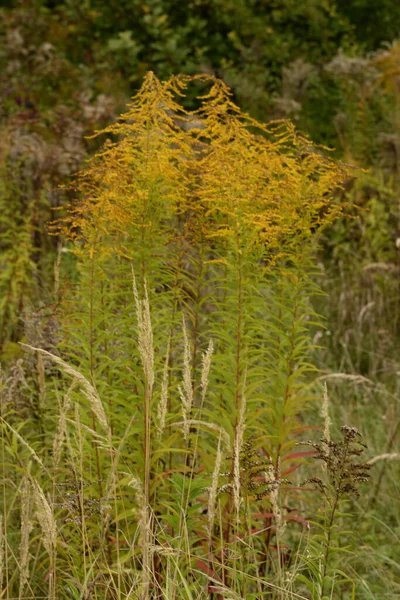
213 172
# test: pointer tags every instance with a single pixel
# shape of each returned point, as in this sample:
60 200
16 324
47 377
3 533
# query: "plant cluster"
183 344
224 256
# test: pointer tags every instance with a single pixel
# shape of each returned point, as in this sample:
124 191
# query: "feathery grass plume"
206 364
213 489
146 351
163 404
88 389
325 414
62 425
238 443
274 499
347 377
186 389
46 518
273 481
145 332
389 456
26 527
270 473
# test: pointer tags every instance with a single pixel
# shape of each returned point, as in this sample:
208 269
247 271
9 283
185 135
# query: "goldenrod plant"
177 393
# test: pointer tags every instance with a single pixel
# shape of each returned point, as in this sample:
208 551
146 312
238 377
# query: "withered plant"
343 476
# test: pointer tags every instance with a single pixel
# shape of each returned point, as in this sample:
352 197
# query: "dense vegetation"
199 304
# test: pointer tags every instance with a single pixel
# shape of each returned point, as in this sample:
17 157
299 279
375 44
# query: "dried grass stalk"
213 491
239 436
88 389
392 456
186 389
206 363
26 528
46 519
163 404
145 332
